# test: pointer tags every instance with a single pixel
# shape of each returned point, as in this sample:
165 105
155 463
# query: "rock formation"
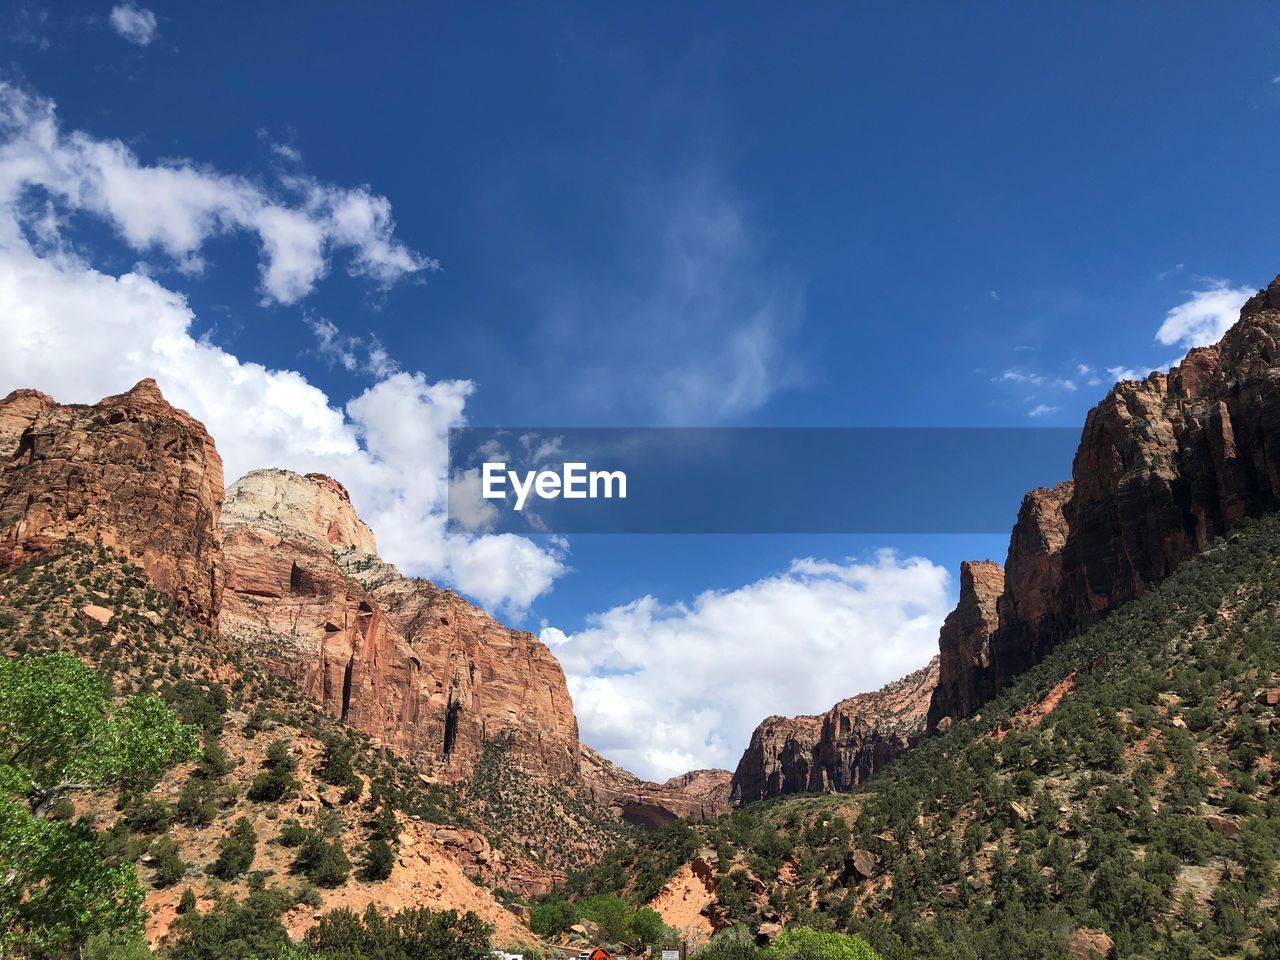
963 643
1165 465
696 795
839 749
415 666
131 472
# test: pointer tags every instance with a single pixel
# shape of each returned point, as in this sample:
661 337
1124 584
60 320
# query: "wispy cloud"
1089 374
1017 376
1125 373
696 325
134 23
1041 410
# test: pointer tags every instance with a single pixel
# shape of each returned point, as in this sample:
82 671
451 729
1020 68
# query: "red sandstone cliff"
418 667
839 749
131 472
1165 465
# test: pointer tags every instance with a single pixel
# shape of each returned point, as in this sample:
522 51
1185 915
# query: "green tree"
378 861
805 943
416 934
646 926
60 734
324 862
168 865
236 852
733 943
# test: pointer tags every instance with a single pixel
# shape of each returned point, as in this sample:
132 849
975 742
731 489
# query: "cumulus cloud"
1204 318
80 333
664 687
174 207
134 23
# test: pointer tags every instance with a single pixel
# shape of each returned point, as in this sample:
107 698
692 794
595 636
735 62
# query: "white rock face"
315 508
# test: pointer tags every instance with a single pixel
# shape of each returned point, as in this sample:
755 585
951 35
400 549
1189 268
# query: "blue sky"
730 214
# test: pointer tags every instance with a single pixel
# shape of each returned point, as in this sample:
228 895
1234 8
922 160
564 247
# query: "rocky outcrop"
696 795
963 643
416 666
1165 465
130 472
839 749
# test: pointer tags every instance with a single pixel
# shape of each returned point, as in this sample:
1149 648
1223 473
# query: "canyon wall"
1165 465
131 472
401 659
836 750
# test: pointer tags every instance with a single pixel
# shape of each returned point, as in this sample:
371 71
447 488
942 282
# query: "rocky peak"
131 472
313 508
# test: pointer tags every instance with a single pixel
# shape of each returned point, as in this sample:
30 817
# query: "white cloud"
1016 376
174 207
79 334
1204 318
134 23
1041 410
1125 373
664 687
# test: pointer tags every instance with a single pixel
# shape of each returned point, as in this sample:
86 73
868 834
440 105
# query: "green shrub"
322 861
805 943
379 858
236 852
169 867
733 943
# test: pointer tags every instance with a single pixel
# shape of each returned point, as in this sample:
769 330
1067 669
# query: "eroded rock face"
696 795
1165 465
839 749
416 666
963 642
130 472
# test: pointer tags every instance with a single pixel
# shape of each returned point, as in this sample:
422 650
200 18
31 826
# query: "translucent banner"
750 479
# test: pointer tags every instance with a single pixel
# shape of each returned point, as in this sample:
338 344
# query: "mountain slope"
1127 785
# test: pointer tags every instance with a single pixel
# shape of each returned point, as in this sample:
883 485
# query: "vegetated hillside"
284 796
1122 791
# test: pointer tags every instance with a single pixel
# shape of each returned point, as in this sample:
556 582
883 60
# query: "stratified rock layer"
418 667
131 472
1165 465
839 749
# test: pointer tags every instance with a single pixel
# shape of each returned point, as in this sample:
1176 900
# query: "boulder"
1222 825
1087 944
861 864
94 615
